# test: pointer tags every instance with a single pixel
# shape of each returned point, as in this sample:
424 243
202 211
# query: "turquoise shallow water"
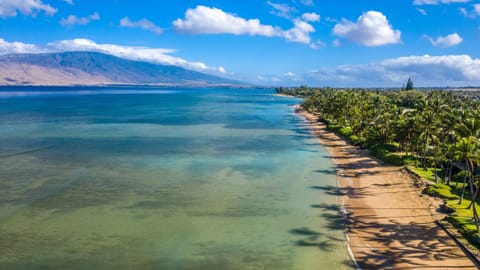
146 178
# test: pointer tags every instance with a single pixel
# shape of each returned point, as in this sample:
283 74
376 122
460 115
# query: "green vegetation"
460 214
435 133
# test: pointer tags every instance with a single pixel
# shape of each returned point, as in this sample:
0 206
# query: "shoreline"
389 223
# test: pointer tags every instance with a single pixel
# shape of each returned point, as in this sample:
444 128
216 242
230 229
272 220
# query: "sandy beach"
390 224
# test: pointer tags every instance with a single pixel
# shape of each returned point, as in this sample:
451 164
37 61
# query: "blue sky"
277 42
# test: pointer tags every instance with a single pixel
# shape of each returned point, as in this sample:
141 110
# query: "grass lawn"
462 217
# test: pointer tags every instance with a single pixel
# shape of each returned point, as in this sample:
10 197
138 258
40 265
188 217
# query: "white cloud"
289 76
299 33
464 12
10 8
426 70
331 20
311 17
73 20
476 8
371 29
142 24
470 14
18 47
422 11
307 2
446 41
281 10
317 44
68 2
206 20
436 2
284 79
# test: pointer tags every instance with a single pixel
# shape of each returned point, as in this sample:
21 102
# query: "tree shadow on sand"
416 244
346 191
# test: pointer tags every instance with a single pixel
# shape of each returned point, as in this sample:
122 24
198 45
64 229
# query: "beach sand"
390 224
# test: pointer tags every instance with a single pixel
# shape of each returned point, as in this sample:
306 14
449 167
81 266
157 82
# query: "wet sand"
390 224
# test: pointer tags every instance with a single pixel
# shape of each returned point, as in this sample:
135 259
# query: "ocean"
163 178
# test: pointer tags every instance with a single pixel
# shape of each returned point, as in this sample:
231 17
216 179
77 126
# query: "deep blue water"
163 178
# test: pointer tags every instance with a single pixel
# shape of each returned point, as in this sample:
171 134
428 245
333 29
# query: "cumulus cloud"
10 8
371 29
436 2
73 20
18 47
142 24
453 70
299 33
206 20
282 10
311 17
446 41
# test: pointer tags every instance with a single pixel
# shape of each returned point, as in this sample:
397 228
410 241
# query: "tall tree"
409 84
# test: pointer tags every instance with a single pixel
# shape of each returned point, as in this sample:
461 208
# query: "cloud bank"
371 29
426 70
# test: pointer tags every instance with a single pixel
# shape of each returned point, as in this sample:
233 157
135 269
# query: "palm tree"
428 133
468 152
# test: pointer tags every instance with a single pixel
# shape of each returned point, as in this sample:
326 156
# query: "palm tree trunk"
417 156
424 154
464 186
475 217
473 204
474 198
450 169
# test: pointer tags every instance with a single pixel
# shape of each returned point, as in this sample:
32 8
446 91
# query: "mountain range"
94 68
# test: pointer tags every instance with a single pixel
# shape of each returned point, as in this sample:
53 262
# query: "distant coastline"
122 85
